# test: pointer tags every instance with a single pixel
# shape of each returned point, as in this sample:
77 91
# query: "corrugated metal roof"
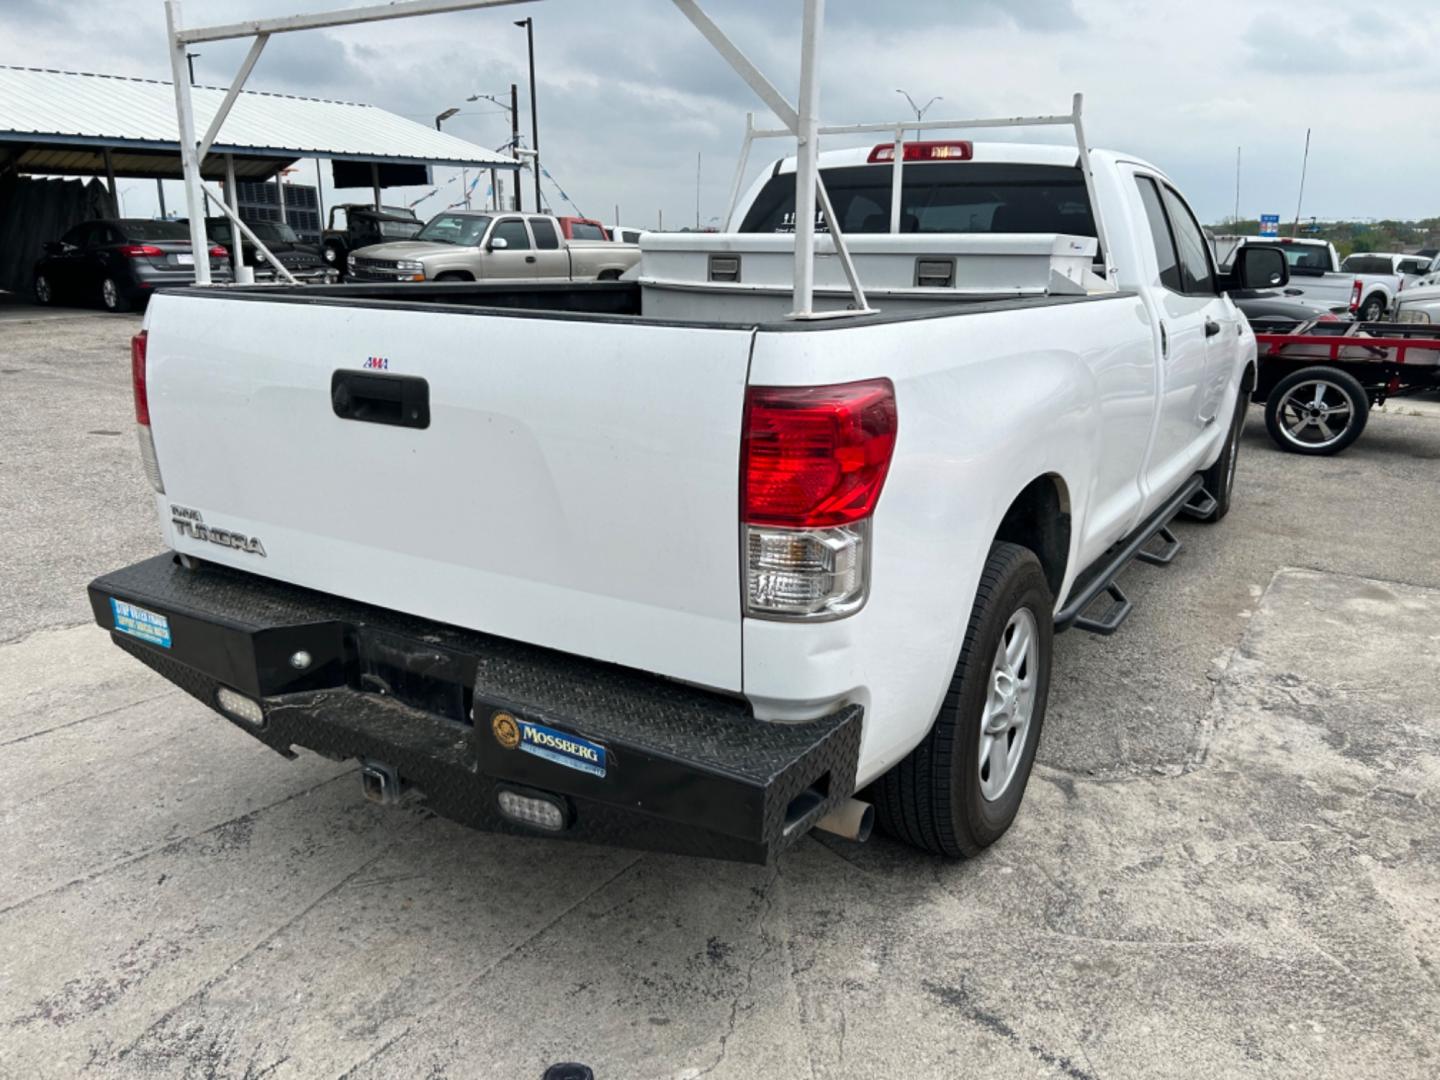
78 108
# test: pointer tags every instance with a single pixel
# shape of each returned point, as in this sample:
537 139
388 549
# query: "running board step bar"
1202 507
1166 555
1192 498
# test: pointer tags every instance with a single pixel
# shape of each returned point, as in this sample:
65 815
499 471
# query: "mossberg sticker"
569 750
142 624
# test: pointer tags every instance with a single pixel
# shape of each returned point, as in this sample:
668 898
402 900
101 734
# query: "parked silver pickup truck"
465 246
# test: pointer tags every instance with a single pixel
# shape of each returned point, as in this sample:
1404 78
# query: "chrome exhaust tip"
852 819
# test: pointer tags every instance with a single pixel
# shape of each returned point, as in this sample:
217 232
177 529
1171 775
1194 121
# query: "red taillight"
924 151
218 252
137 379
1355 295
815 456
140 251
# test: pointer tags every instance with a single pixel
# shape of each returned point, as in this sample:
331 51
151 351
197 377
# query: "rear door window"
583 230
545 237
1165 254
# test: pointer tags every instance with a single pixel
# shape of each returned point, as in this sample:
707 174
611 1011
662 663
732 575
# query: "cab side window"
545 237
1195 268
514 233
1165 255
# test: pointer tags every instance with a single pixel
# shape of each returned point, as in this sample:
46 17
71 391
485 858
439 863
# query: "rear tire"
1220 477
1373 309
44 294
113 297
958 791
1297 424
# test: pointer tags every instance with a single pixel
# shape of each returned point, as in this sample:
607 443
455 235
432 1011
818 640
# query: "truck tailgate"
576 486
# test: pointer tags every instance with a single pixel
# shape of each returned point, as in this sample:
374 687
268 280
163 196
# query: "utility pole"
1304 166
529 26
697 191
1237 185
515 142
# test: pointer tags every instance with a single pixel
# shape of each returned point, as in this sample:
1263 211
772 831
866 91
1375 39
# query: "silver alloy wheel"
42 289
109 294
1315 413
1009 704
1373 310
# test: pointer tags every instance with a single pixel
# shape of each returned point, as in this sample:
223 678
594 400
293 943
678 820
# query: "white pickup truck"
1318 275
693 580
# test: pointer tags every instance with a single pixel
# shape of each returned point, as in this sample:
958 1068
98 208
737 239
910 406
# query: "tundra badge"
190 523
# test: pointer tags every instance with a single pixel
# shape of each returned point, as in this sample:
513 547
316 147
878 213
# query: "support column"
279 195
185 113
243 274
160 193
110 181
320 196
807 160
375 182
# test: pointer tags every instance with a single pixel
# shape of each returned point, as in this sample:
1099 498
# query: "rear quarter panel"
987 402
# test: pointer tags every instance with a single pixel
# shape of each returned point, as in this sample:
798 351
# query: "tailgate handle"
400 400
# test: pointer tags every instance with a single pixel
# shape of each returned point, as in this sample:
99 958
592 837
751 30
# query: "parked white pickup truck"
691 581
1317 275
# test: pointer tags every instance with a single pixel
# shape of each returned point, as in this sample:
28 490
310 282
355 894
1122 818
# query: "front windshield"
462 229
269 230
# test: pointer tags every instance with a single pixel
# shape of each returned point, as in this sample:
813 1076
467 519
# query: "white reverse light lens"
806 573
148 458
539 813
240 707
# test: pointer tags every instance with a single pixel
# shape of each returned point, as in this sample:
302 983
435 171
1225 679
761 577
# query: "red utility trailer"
1319 379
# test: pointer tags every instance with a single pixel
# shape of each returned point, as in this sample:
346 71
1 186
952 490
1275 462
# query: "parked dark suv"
120 262
303 260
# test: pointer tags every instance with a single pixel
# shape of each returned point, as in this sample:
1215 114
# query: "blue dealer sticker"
569 750
142 624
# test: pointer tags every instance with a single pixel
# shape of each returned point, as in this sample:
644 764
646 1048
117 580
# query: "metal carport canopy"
62 122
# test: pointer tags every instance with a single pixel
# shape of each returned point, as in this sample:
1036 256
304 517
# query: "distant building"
260 202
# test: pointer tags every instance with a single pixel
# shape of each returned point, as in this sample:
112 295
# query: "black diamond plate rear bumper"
685 770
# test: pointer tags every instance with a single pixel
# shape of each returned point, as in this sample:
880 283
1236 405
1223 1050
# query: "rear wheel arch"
1039 518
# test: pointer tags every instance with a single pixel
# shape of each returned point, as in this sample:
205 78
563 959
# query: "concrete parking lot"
1228 863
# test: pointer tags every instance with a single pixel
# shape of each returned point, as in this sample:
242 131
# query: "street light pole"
920 110
529 26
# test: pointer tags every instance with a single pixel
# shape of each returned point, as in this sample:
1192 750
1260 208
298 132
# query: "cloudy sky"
629 94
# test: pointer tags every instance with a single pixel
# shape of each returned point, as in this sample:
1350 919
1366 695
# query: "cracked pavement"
1227 865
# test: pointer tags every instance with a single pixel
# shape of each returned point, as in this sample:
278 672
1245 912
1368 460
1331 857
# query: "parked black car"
120 262
1273 310
304 261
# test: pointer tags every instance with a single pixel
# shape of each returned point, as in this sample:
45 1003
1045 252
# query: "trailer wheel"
959 790
1220 477
1373 309
1317 410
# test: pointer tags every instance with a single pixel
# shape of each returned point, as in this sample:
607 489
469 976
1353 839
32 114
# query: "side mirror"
1259 268
498 244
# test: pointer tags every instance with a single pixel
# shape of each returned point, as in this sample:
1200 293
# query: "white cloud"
629 94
